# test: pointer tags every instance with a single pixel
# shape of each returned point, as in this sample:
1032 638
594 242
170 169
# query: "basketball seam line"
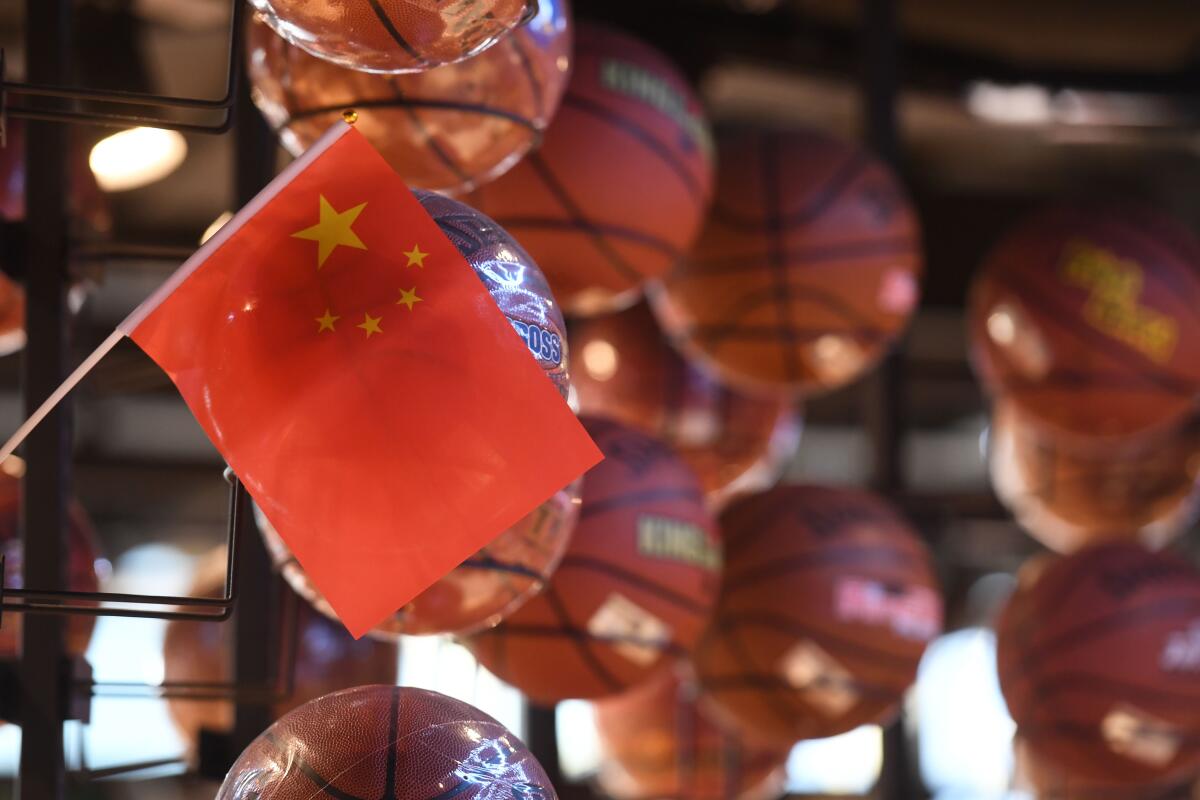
390 27
595 236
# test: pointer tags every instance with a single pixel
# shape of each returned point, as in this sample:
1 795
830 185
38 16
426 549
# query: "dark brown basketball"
1068 495
633 591
1087 318
657 741
327 658
394 35
827 602
447 129
386 743
619 188
622 367
807 269
1041 780
1099 662
84 564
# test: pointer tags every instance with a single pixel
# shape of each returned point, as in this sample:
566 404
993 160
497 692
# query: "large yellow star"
408 298
334 229
416 257
370 325
325 322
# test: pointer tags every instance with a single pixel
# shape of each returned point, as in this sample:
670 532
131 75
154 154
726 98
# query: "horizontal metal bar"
43 597
120 96
124 769
118 120
109 251
41 601
105 611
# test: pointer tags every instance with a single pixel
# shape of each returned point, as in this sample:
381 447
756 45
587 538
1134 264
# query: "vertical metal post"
255 620
43 667
884 398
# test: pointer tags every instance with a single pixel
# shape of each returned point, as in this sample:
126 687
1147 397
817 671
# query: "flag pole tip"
350 115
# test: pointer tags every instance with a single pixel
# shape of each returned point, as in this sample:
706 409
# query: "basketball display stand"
45 686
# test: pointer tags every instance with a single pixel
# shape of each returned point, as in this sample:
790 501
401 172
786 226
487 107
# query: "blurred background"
1000 107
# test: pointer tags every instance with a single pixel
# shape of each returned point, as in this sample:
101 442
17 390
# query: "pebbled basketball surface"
394 35
448 129
386 743
807 268
618 190
827 602
1087 317
1098 664
634 589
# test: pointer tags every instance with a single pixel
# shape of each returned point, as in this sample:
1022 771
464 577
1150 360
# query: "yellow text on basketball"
1114 287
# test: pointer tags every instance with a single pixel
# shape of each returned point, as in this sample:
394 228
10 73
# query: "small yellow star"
326 322
408 298
333 229
415 256
370 325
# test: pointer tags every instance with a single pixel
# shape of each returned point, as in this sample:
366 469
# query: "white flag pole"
172 283
58 394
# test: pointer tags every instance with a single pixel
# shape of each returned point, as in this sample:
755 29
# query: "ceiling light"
137 157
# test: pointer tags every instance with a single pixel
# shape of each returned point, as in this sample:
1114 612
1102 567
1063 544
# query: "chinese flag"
357 376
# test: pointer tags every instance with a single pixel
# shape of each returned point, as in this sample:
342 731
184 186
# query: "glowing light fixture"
215 226
136 157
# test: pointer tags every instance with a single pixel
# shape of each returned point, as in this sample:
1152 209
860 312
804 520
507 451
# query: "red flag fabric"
357 376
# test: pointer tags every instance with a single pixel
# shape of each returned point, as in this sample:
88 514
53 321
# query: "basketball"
1098 662
1042 780
386 742
514 566
807 270
394 35
619 188
656 740
475 595
447 129
326 659
1067 496
84 564
827 602
624 368
1087 318
633 591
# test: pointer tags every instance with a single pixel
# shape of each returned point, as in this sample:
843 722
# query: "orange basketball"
386 742
621 183
326 659
623 368
827 602
1068 496
1087 318
447 129
807 269
478 593
1040 779
635 588
1099 662
394 35
656 740
84 564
